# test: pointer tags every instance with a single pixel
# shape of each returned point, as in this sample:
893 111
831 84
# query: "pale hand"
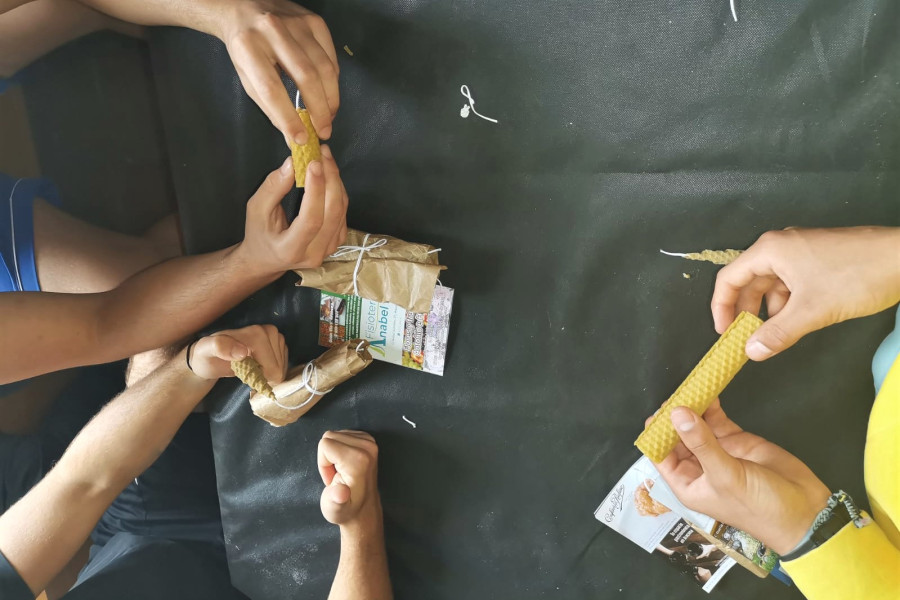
264 35
348 464
810 278
741 479
211 356
271 245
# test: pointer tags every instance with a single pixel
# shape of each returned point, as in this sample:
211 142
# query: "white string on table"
734 10
408 421
680 254
342 250
309 382
464 111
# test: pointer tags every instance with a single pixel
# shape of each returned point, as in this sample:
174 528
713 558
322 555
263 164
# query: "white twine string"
464 111
342 250
408 421
360 345
734 10
297 100
310 374
672 253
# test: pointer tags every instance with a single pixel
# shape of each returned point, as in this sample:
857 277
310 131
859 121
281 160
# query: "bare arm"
348 464
35 28
43 332
41 532
263 38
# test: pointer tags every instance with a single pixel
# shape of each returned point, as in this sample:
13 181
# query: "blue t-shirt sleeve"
12 586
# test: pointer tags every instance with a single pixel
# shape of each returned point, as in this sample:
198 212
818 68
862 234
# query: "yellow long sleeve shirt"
864 563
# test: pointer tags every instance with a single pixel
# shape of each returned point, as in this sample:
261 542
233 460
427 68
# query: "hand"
211 356
741 479
811 278
263 35
271 246
348 464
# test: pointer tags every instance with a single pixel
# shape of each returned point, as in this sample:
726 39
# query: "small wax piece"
250 372
308 152
714 371
716 257
348 50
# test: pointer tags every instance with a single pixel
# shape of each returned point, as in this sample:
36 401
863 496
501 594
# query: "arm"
41 532
169 301
743 480
348 464
260 36
30 31
810 278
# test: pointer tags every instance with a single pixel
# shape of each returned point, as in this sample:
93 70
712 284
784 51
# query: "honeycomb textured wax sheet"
706 381
250 372
308 152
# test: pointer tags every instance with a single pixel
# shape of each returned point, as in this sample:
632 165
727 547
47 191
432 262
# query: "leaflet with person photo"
630 510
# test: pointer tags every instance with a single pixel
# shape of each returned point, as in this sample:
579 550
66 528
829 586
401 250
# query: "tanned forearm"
154 308
202 15
41 532
362 572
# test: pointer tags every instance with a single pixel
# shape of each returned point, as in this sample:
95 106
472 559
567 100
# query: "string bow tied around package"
306 384
362 249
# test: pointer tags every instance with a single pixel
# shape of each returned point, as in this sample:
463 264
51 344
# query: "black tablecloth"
624 127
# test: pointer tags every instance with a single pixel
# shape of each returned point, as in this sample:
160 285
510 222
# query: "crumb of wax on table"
348 50
717 257
686 275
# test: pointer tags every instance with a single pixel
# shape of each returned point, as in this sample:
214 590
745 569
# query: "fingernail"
326 152
287 166
301 138
682 419
315 167
756 350
239 353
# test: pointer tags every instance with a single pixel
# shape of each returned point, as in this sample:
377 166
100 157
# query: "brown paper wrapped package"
334 367
399 272
308 152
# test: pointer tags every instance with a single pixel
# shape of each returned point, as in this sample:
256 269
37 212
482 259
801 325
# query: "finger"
677 472
731 279
333 213
781 331
327 469
303 72
223 346
310 218
355 433
700 440
260 73
322 34
275 374
351 457
719 422
261 349
273 190
334 503
750 296
357 439
776 298
325 70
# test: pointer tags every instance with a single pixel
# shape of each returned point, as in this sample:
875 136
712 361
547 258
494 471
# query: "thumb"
275 187
334 502
779 333
701 441
228 348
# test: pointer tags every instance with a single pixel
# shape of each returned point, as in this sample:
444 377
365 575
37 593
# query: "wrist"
241 263
367 524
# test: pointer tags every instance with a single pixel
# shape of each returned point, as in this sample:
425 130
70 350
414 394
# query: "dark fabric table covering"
624 128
